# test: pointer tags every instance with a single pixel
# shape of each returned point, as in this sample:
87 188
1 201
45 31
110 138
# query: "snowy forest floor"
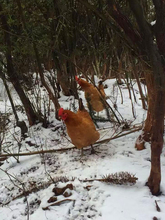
26 187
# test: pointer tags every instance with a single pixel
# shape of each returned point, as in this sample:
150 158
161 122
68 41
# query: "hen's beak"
60 117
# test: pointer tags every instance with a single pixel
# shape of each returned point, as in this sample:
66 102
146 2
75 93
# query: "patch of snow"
89 200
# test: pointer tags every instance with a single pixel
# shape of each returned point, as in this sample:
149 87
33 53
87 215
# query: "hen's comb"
76 78
60 111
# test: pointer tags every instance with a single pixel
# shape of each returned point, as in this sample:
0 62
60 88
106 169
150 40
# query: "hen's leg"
82 153
92 150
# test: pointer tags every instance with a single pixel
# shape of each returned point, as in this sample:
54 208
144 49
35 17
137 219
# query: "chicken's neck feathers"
72 119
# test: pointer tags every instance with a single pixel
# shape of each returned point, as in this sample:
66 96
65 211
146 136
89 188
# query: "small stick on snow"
157 206
58 203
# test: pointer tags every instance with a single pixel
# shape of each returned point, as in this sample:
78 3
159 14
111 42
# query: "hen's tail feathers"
81 106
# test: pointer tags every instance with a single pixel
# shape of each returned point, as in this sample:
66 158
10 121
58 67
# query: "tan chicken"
80 127
92 95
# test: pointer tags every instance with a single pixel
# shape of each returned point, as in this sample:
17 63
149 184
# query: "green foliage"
67 29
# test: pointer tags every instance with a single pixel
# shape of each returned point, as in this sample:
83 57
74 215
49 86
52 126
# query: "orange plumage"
80 127
92 95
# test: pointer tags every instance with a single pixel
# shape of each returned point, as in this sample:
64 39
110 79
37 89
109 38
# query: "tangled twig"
69 148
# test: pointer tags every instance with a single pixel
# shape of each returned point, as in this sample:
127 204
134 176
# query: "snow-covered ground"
86 199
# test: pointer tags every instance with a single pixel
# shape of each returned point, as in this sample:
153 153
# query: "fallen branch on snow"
117 136
120 178
69 148
58 203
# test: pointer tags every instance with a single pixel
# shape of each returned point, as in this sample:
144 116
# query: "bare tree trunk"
143 40
40 70
151 102
31 114
145 136
63 79
20 124
44 83
136 75
157 114
156 143
66 75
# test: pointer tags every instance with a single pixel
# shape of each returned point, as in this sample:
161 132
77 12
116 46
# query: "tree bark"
136 75
31 114
145 136
20 124
151 102
44 83
143 43
156 143
40 70
157 114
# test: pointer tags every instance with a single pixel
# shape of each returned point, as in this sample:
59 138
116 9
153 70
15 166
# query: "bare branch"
69 148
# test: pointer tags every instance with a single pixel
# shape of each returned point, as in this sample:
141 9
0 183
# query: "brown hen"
80 127
94 98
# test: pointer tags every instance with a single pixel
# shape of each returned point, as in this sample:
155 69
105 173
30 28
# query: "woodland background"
45 43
